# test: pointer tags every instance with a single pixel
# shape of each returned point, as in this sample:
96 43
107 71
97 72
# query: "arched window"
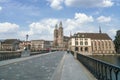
81 49
76 48
86 43
81 43
106 44
109 43
86 49
95 43
102 45
99 45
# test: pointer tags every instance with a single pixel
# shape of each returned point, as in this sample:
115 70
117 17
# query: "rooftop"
99 36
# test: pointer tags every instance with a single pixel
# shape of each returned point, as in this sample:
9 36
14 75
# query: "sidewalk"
72 69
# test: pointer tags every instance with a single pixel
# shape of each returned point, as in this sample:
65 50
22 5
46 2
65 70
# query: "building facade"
91 43
37 45
25 45
10 45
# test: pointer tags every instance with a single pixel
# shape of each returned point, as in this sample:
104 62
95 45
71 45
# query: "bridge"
58 65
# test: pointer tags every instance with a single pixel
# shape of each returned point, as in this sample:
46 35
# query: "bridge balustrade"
100 69
5 56
12 55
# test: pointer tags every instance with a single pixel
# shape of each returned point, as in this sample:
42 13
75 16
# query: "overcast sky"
37 18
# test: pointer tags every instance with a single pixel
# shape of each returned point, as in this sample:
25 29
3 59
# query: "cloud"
44 28
41 30
89 3
112 32
82 18
7 27
0 8
9 30
107 3
103 19
56 4
78 20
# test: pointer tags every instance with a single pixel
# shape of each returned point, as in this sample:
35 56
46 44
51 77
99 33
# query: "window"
76 48
81 38
95 43
81 49
76 42
76 38
81 43
86 43
86 49
102 45
109 43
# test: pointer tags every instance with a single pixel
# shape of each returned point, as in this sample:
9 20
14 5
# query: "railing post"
116 74
110 70
105 72
75 55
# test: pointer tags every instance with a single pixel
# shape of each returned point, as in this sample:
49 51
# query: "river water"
115 60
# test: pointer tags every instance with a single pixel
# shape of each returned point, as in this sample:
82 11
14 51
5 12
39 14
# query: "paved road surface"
74 70
30 68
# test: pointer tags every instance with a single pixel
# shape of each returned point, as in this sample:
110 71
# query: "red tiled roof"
100 36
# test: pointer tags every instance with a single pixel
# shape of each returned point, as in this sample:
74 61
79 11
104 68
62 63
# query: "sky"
38 18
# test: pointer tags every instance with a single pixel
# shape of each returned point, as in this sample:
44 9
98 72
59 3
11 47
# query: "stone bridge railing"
100 69
4 55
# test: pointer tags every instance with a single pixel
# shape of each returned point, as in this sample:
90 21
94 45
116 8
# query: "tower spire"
60 25
70 34
100 30
56 26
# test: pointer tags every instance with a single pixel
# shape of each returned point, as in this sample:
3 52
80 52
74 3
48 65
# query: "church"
60 41
83 43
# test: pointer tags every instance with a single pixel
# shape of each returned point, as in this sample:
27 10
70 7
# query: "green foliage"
117 41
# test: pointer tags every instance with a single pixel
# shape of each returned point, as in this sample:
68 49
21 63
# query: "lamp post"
27 41
27 37
75 53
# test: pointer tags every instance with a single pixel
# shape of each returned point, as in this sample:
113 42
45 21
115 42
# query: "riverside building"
91 43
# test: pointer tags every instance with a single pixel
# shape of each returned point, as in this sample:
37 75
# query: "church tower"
100 30
55 43
58 42
60 35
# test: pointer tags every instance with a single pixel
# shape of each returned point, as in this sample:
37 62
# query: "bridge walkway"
72 69
49 66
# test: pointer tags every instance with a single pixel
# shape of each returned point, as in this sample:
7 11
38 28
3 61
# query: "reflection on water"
115 60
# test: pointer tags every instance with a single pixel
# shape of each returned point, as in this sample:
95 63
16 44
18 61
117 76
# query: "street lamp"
27 37
27 41
75 53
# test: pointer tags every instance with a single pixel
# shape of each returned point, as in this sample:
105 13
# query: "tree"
117 42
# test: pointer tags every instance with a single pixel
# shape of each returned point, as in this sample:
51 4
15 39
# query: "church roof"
11 41
98 36
66 38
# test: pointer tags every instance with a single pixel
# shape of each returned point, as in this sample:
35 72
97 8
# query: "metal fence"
100 69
